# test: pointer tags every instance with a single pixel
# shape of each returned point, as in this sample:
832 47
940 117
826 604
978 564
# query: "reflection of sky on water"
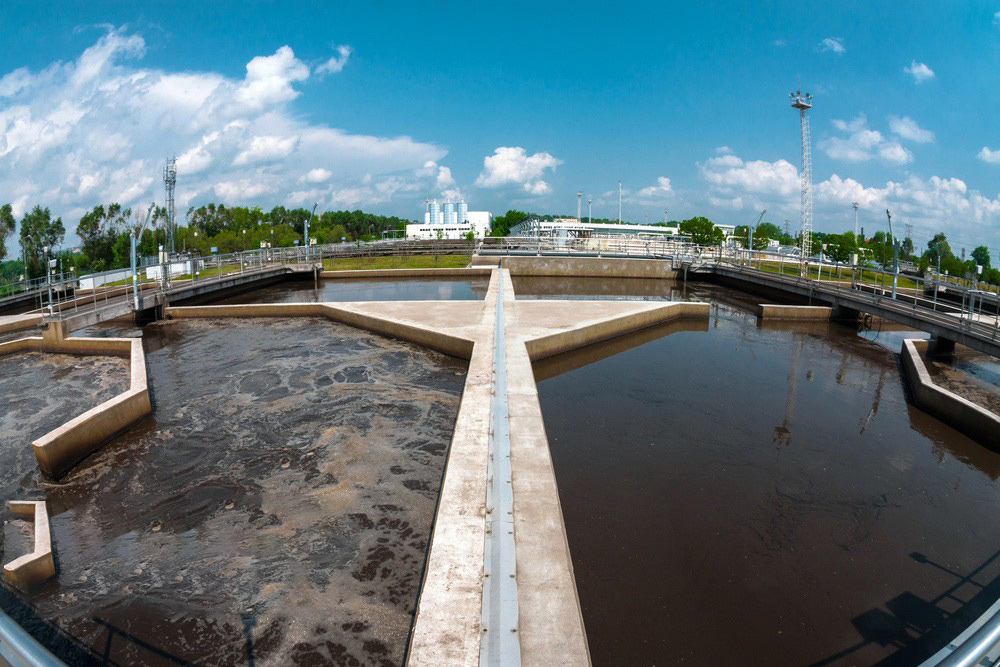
776 480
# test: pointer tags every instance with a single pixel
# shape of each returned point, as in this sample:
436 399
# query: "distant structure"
450 220
170 182
571 228
579 202
803 102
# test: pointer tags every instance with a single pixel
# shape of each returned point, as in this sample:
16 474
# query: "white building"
450 220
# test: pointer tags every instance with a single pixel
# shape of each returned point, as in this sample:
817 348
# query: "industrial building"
573 228
450 220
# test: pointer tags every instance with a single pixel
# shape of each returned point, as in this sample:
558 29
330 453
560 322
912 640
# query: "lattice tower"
170 182
803 102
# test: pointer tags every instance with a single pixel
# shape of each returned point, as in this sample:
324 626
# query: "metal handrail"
20 649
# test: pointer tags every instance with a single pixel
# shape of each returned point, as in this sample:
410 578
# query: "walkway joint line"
499 644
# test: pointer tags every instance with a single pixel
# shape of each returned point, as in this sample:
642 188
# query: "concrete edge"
960 413
446 626
774 311
64 446
564 341
21 323
430 338
407 273
37 566
604 267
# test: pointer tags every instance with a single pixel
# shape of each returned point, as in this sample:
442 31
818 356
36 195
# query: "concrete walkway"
451 625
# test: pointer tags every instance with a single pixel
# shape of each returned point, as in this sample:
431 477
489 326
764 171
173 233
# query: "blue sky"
381 105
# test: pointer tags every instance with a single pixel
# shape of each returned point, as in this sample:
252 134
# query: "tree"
768 229
981 255
702 231
7 224
99 230
503 223
39 230
742 235
937 248
840 247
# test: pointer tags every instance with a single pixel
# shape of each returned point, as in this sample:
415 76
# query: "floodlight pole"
895 255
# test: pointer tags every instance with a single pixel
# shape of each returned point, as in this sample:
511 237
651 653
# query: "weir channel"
690 470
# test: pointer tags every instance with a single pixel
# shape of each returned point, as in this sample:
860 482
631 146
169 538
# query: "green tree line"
104 233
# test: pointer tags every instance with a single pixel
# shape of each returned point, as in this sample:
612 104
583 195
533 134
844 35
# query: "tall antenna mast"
579 203
855 205
619 201
170 182
590 209
803 102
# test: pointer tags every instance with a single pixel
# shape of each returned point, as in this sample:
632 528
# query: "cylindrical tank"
462 211
435 209
449 213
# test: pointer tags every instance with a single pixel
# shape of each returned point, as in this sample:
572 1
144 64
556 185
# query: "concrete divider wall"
564 341
409 273
605 267
61 448
772 311
18 322
960 413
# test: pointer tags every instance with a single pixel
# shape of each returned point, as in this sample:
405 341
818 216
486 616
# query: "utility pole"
895 255
619 201
307 229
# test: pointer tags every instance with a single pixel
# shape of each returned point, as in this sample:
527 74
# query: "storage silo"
435 213
448 208
462 212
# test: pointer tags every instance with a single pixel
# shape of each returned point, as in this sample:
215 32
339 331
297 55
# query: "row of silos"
447 213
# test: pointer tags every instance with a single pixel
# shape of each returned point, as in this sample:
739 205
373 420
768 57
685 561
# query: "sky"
382 105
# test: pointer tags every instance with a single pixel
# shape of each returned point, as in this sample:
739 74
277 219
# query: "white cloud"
833 44
893 152
511 165
99 128
779 42
989 156
661 188
723 150
863 143
931 204
266 149
907 128
919 71
729 174
317 175
335 63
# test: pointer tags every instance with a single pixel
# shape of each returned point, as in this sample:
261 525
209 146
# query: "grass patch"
395 262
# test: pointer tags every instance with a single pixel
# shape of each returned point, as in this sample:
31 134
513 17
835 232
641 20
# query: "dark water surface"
757 495
374 289
275 509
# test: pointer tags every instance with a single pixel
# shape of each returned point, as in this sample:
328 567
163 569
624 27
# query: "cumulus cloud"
511 165
989 156
661 189
863 143
919 71
317 175
931 204
729 174
335 63
99 128
833 44
907 128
